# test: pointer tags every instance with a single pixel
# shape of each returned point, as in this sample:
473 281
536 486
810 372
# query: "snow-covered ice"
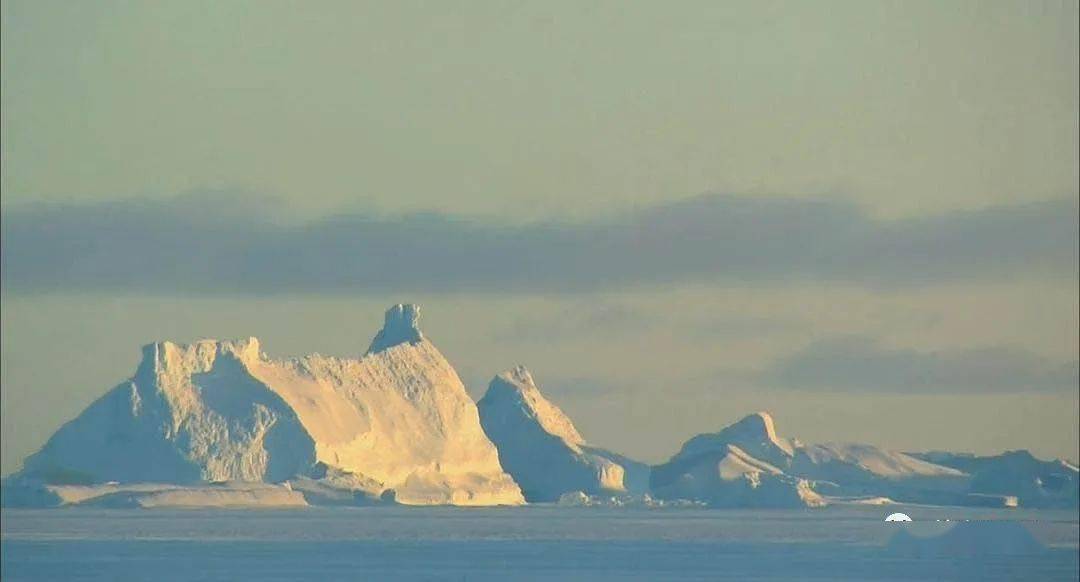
736 467
747 464
1015 475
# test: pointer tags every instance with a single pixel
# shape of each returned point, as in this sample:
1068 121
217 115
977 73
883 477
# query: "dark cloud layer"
862 364
208 244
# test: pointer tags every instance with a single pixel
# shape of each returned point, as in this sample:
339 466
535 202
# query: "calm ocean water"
535 543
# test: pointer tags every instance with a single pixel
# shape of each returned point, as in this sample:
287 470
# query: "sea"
536 542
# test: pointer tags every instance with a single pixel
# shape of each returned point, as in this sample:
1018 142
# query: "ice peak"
760 428
514 391
513 383
400 326
754 433
519 376
758 423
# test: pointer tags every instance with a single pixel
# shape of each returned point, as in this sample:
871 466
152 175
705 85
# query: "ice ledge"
198 355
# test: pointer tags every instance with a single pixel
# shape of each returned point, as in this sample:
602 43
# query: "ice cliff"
540 447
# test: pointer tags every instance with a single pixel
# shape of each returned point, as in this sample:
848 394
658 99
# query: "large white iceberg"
395 423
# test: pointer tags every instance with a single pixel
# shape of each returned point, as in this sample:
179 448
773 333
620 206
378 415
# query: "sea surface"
527 543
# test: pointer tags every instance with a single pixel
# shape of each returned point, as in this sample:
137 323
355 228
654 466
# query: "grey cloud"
214 244
859 363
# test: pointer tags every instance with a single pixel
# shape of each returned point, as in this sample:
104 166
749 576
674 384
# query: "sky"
860 216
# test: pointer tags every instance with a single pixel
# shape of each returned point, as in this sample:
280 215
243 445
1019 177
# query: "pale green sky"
920 114
525 109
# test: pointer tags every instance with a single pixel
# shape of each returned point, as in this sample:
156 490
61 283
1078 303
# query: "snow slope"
728 476
708 464
1036 483
755 434
852 471
395 423
825 459
540 447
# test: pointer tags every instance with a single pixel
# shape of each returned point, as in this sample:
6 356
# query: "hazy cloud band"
209 244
